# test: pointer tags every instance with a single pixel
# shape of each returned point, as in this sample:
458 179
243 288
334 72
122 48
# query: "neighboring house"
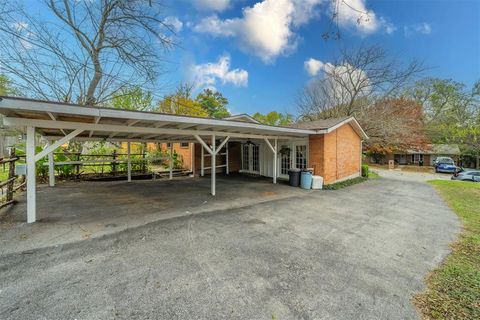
425 156
242 117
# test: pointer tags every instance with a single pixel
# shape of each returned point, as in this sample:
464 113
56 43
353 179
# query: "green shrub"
365 170
343 184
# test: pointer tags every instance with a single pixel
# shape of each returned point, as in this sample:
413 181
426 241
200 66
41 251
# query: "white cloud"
422 28
266 28
217 27
206 75
313 66
354 13
174 23
215 5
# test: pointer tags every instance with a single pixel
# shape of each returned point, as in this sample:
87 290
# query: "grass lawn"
4 172
453 289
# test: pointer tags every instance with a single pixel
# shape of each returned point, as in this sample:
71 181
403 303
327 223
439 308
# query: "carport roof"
56 119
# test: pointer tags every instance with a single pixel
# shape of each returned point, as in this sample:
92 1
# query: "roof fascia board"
356 126
50 124
28 105
41 106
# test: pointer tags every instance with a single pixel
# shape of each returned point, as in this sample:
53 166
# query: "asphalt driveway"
356 253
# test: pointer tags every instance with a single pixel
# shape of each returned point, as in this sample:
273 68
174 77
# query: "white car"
467 175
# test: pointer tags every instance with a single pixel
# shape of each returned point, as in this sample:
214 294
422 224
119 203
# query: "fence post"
77 167
114 162
11 175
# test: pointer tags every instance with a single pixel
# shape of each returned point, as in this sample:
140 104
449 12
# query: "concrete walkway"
411 176
355 253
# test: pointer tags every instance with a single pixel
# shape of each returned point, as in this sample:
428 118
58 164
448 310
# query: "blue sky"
222 44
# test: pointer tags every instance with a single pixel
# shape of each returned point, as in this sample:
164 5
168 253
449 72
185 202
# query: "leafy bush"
177 159
365 170
66 170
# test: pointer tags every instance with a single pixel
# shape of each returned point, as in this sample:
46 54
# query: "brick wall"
335 155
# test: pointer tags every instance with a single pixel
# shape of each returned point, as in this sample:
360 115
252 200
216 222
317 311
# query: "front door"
250 158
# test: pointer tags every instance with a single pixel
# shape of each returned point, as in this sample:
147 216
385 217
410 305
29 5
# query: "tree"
182 103
133 98
83 51
452 112
356 80
214 103
393 125
6 88
274 118
365 83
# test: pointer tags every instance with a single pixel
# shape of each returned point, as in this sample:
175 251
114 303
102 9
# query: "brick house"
331 147
329 155
334 155
425 156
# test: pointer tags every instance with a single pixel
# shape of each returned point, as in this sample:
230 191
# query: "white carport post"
213 165
51 168
227 170
31 176
274 150
129 163
171 161
213 151
32 158
202 161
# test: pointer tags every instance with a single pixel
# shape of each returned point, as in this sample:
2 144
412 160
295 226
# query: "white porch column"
31 175
171 161
202 161
129 163
213 165
51 168
275 152
227 171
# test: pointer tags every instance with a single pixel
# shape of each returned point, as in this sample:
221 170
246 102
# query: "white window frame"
293 155
417 157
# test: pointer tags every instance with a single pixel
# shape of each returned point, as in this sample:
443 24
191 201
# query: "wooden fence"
76 161
13 182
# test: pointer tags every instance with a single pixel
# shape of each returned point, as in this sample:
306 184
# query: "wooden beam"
10 121
222 144
95 121
204 144
56 144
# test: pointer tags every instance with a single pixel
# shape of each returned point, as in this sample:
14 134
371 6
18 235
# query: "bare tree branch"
89 52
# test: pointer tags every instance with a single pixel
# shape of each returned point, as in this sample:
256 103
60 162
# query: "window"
184 145
417 158
168 144
301 157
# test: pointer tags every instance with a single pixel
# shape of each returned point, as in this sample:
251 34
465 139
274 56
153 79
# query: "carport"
58 123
